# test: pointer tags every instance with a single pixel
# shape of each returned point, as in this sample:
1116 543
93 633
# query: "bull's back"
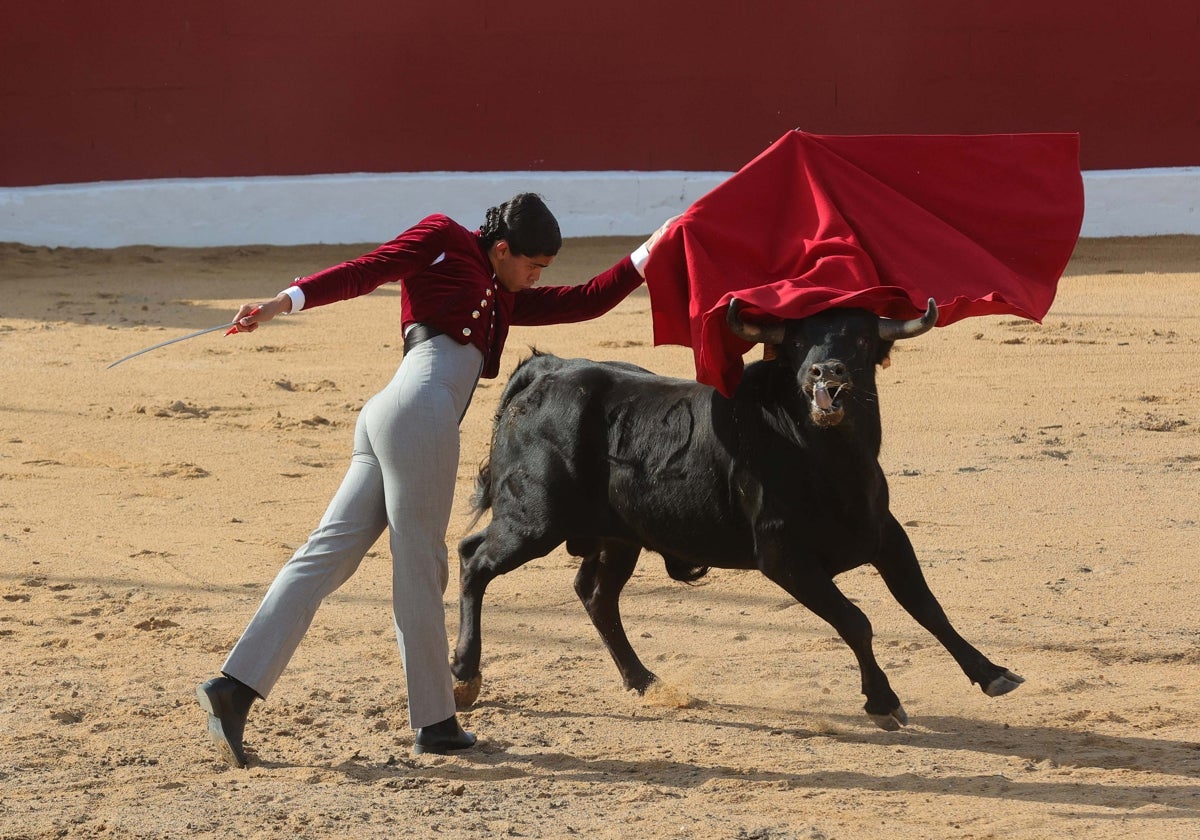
569 405
616 451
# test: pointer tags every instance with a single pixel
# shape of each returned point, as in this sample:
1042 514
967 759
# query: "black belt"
418 333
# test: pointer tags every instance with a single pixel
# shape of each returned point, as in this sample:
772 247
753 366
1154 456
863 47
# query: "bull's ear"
883 354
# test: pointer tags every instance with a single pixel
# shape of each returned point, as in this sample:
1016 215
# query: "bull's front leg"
897 564
811 585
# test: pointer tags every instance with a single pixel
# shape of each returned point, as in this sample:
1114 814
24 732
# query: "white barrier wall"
373 208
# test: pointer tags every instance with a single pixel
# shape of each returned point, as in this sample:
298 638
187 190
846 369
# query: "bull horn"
893 330
754 333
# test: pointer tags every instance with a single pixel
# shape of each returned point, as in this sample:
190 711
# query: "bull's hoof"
1006 682
640 687
891 722
466 692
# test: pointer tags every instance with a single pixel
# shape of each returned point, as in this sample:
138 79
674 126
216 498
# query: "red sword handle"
234 328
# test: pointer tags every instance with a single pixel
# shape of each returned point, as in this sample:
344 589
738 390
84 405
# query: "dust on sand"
1048 475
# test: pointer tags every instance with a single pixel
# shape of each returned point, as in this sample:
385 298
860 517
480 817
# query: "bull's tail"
525 373
481 499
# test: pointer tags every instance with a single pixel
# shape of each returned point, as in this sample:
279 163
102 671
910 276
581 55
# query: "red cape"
983 224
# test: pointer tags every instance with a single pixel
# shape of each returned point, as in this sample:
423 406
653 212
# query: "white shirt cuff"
640 257
297 296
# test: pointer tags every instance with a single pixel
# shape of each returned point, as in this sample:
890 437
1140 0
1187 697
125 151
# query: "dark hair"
526 224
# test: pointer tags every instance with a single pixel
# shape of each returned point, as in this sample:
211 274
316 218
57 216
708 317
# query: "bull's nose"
828 370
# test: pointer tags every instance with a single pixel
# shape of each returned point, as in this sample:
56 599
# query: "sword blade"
170 341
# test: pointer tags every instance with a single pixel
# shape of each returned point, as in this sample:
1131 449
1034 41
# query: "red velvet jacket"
446 281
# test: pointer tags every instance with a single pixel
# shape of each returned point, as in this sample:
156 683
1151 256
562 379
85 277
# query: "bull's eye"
863 342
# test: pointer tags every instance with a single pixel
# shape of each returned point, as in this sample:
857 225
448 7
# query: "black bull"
783 478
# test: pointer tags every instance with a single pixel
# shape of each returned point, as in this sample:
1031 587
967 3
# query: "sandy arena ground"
1049 477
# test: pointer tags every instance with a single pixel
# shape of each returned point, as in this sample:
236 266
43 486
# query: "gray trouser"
401 477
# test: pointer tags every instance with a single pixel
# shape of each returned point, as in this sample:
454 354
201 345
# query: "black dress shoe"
227 702
441 738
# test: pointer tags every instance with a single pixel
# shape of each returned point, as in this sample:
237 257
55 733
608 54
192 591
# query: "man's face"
516 273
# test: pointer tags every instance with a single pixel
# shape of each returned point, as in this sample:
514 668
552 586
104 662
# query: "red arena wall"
131 90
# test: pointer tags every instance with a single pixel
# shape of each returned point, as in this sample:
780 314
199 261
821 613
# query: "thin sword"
228 327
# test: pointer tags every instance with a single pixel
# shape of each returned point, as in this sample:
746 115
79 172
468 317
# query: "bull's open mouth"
826 398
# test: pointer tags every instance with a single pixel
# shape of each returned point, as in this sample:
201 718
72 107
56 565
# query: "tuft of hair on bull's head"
832 352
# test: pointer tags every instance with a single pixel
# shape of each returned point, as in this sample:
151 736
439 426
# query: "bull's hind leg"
601 577
483 557
898 566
